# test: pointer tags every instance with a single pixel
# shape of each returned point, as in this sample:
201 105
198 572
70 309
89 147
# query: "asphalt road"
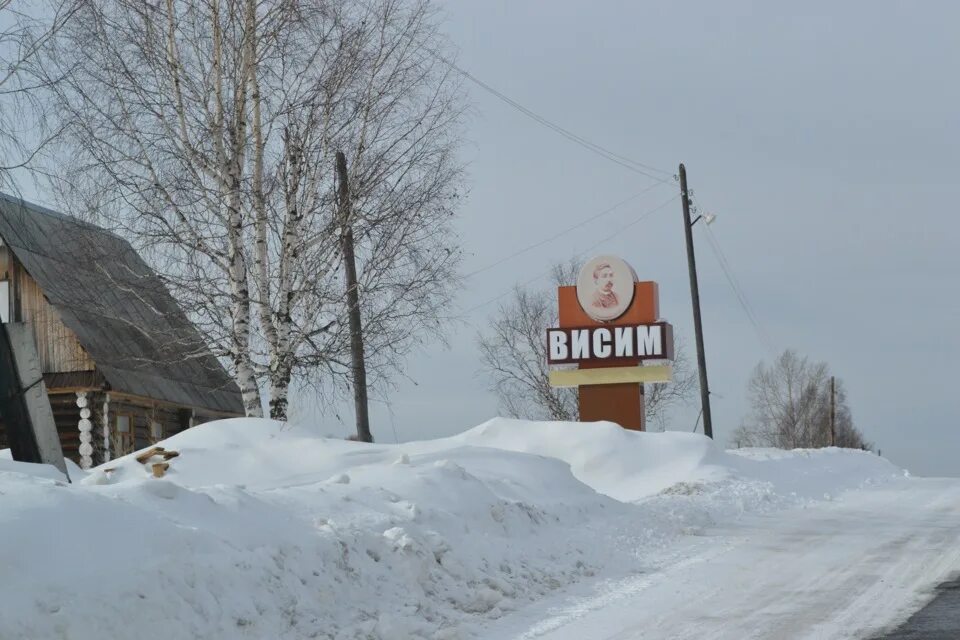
939 620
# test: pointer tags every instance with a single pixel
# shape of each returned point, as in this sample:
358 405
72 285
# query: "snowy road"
842 569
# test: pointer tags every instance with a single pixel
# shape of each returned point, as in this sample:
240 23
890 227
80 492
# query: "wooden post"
17 308
105 416
353 303
695 297
833 411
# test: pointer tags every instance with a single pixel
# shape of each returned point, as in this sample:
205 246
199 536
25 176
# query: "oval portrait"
605 287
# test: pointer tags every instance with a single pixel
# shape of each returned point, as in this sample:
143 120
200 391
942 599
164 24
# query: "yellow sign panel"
610 375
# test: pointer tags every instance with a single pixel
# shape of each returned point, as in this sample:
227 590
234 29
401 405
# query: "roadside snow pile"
8 464
259 530
682 481
625 465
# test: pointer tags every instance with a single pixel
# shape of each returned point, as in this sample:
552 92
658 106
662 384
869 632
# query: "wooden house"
119 357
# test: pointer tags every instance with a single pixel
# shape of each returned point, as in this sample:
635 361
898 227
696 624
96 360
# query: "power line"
737 289
582 223
623 161
627 163
636 221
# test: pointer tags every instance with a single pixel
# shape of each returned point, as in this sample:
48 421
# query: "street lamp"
707 218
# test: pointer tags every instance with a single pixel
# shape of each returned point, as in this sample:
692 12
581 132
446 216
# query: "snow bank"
7 463
260 530
625 465
630 466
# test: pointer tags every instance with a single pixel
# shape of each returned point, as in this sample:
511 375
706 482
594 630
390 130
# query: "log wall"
58 347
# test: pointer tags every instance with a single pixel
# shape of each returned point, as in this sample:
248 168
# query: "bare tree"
24 31
206 130
514 354
790 407
404 183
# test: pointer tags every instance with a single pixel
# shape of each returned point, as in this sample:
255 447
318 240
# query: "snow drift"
260 530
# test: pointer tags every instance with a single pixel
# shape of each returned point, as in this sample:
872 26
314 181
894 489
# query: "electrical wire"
737 289
627 163
638 220
643 216
623 161
580 224
603 152
393 424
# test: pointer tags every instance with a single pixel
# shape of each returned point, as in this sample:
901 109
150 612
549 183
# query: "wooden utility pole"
833 411
695 296
359 367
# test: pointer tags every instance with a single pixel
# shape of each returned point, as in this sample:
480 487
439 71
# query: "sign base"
620 403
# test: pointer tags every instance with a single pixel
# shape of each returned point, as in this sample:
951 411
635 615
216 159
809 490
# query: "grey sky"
826 137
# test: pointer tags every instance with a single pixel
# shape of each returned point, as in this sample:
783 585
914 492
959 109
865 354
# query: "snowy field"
511 529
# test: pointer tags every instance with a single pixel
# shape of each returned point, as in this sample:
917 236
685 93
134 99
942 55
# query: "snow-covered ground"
846 569
511 529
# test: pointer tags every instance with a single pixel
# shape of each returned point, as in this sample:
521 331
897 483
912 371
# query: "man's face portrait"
603 278
605 287
604 297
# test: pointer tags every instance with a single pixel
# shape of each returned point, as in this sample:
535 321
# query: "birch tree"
205 130
24 32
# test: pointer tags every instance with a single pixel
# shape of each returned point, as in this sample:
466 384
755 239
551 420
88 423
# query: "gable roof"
120 310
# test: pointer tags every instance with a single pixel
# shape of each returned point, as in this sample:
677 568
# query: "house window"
124 432
156 431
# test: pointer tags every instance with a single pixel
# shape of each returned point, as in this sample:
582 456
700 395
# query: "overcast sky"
827 141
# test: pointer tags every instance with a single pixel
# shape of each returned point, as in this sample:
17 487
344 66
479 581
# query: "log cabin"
120 358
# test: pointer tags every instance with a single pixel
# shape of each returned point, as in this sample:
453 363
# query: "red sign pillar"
619 403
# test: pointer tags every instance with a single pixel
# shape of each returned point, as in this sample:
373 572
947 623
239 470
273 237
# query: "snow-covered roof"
120 310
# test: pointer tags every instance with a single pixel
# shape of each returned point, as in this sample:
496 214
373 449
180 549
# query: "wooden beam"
16 314
145 402
611 375
31 428
105 427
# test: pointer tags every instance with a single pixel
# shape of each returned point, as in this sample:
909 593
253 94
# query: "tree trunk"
240 303
280 374
278 329
359 369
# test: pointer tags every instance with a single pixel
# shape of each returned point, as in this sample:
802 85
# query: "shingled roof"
123 315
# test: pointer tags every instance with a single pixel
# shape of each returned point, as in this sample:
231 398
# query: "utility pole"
695 296
833 411
359 367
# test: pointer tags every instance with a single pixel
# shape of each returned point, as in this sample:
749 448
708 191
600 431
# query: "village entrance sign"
610 325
